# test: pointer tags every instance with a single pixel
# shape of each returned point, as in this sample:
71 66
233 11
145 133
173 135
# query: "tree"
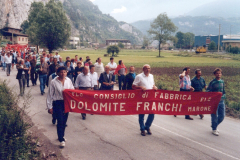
162 29
145 42
112 49
212 46
188 39
120 45
185 40
48 25
180 37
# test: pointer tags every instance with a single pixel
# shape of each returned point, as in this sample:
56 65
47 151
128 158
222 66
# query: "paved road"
118 137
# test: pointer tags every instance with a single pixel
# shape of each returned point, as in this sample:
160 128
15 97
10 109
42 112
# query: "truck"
201 49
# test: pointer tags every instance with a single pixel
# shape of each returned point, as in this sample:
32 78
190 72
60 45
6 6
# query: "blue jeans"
218 118
3 66
148 122
43 80
120 81
58 111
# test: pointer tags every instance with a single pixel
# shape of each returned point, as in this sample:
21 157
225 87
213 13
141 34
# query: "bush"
14 142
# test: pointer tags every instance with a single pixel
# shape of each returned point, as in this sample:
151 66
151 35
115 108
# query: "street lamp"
231 31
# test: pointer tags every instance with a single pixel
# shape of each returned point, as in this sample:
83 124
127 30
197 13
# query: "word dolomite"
140 102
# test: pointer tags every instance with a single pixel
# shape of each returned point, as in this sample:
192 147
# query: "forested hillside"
92 25
201 25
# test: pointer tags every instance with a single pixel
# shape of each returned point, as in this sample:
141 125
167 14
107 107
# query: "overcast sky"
134 10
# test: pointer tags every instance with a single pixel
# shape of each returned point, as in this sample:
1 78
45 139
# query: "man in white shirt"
145 81
113 67
60 62
99 66
55 101
57 56
94 78
8 61
83 82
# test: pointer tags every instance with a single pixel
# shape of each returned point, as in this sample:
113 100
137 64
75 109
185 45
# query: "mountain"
218 8
200 25
87 21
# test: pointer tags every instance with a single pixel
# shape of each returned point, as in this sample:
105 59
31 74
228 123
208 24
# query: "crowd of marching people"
78 73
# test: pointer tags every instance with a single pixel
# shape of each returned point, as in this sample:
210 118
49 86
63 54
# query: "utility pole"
219 37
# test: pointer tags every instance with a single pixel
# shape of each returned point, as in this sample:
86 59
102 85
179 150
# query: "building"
127 44
74 41
206 40
163 46
231 40
14 35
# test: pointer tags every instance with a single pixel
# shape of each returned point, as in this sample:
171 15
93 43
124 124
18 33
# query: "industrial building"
206 40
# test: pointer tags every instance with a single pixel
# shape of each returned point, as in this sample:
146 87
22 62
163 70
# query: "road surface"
118 137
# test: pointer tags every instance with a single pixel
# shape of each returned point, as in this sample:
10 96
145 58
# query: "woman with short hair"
70 70
21 76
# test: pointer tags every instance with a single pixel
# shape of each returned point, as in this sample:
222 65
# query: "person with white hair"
145 81
106 79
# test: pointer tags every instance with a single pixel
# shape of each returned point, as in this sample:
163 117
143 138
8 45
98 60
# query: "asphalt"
118 137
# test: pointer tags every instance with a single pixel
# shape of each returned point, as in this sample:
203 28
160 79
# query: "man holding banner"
83 82
198 83
217 85
185 85
145 81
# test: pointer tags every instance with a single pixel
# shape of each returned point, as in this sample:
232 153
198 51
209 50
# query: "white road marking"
194 141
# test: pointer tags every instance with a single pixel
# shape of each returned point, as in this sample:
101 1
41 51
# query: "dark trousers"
120 81
8 65
185 90
27 78
85 88
114 77
58 109
148 122
22 82
34 77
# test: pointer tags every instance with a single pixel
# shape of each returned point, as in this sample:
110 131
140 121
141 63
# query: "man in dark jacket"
106 79
128 81
33 72
198 83
52 68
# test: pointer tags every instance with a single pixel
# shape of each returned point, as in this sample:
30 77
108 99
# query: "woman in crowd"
121 71
74 64
21 76
3 61
78 70
70 70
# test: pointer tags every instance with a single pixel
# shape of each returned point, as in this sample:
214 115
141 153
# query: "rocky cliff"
87 21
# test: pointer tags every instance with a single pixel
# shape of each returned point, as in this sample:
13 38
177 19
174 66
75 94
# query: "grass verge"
15 143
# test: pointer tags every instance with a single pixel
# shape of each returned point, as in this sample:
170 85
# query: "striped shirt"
217 86
185 82
55 90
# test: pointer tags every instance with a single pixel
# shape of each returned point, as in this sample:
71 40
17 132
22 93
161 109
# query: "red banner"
130 102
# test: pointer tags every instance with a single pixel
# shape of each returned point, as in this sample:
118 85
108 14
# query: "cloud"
92 0
119 10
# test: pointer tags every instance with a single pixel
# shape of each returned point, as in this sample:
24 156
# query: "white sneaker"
62 144
215 132
65 139
218 131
